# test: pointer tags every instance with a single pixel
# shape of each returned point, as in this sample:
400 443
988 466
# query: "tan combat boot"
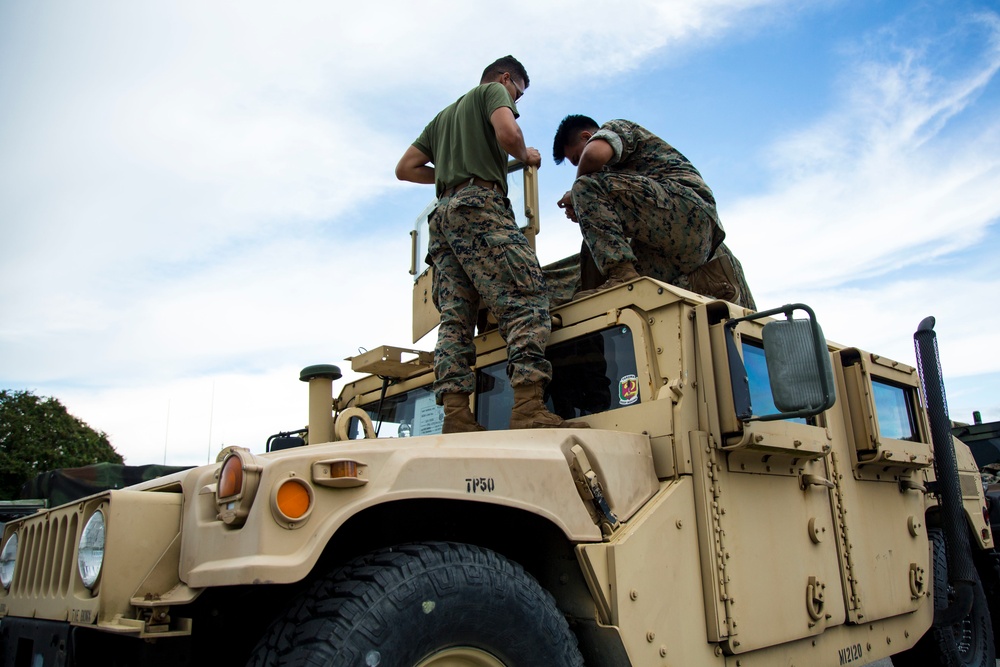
457 415
530 411
618 274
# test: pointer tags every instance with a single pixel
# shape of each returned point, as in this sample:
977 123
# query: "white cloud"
198 194
187 421
245 326
878 185
868 202
145 141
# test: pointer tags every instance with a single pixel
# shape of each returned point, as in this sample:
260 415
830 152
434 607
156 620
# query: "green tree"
38 434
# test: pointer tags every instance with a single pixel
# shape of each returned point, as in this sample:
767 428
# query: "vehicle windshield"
590 374
403 415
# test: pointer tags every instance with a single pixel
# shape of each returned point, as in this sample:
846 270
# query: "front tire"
988 567
968 643
423 605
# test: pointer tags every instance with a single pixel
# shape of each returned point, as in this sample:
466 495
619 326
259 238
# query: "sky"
197 199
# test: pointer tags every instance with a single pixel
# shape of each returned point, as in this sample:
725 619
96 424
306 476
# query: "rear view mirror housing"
798 365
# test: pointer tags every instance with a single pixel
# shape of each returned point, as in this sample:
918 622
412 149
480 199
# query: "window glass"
760 381
591 374
761 398
894 410
410 414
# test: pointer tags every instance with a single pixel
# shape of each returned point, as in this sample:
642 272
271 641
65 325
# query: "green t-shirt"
461 141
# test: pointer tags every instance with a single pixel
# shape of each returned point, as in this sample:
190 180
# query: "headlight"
8 560
231 478
237 485
90 555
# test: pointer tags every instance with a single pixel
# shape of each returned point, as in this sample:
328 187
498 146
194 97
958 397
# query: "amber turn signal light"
292 501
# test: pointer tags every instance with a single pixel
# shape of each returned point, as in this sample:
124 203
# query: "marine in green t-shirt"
478 251
461 141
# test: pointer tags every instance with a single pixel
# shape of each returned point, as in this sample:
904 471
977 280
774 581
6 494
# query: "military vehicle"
984 441
747 493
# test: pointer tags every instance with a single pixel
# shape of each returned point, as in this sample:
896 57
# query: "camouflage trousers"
564 280
478 251
672 230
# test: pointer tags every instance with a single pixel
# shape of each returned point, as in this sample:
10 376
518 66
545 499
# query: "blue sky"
197 199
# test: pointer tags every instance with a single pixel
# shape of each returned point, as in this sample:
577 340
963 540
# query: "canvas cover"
68 484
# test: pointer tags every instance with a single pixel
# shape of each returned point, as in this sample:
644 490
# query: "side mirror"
798 366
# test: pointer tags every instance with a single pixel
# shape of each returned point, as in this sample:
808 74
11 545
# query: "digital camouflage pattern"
478 251
562 279
650 206
671 233
639 152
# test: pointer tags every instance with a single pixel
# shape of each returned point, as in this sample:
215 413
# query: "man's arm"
413 167
595 155
510 137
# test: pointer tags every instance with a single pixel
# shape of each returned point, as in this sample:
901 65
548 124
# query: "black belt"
489 185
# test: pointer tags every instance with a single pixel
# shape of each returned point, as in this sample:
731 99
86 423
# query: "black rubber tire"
965 644
395 607
989 573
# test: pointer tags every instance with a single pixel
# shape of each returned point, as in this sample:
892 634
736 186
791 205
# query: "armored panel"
772 535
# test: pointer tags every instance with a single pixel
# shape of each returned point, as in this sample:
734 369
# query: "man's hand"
534 158
566 203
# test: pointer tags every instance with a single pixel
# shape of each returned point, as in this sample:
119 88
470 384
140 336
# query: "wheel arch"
934 518
531 540
536 543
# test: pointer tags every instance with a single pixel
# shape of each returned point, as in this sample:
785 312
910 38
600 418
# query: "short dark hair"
505 64
568 129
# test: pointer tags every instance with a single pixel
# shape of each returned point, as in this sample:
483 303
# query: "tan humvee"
693 523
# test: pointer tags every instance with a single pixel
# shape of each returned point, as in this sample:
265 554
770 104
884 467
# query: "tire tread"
361 604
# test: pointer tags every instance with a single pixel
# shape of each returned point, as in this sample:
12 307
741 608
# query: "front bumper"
25 641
